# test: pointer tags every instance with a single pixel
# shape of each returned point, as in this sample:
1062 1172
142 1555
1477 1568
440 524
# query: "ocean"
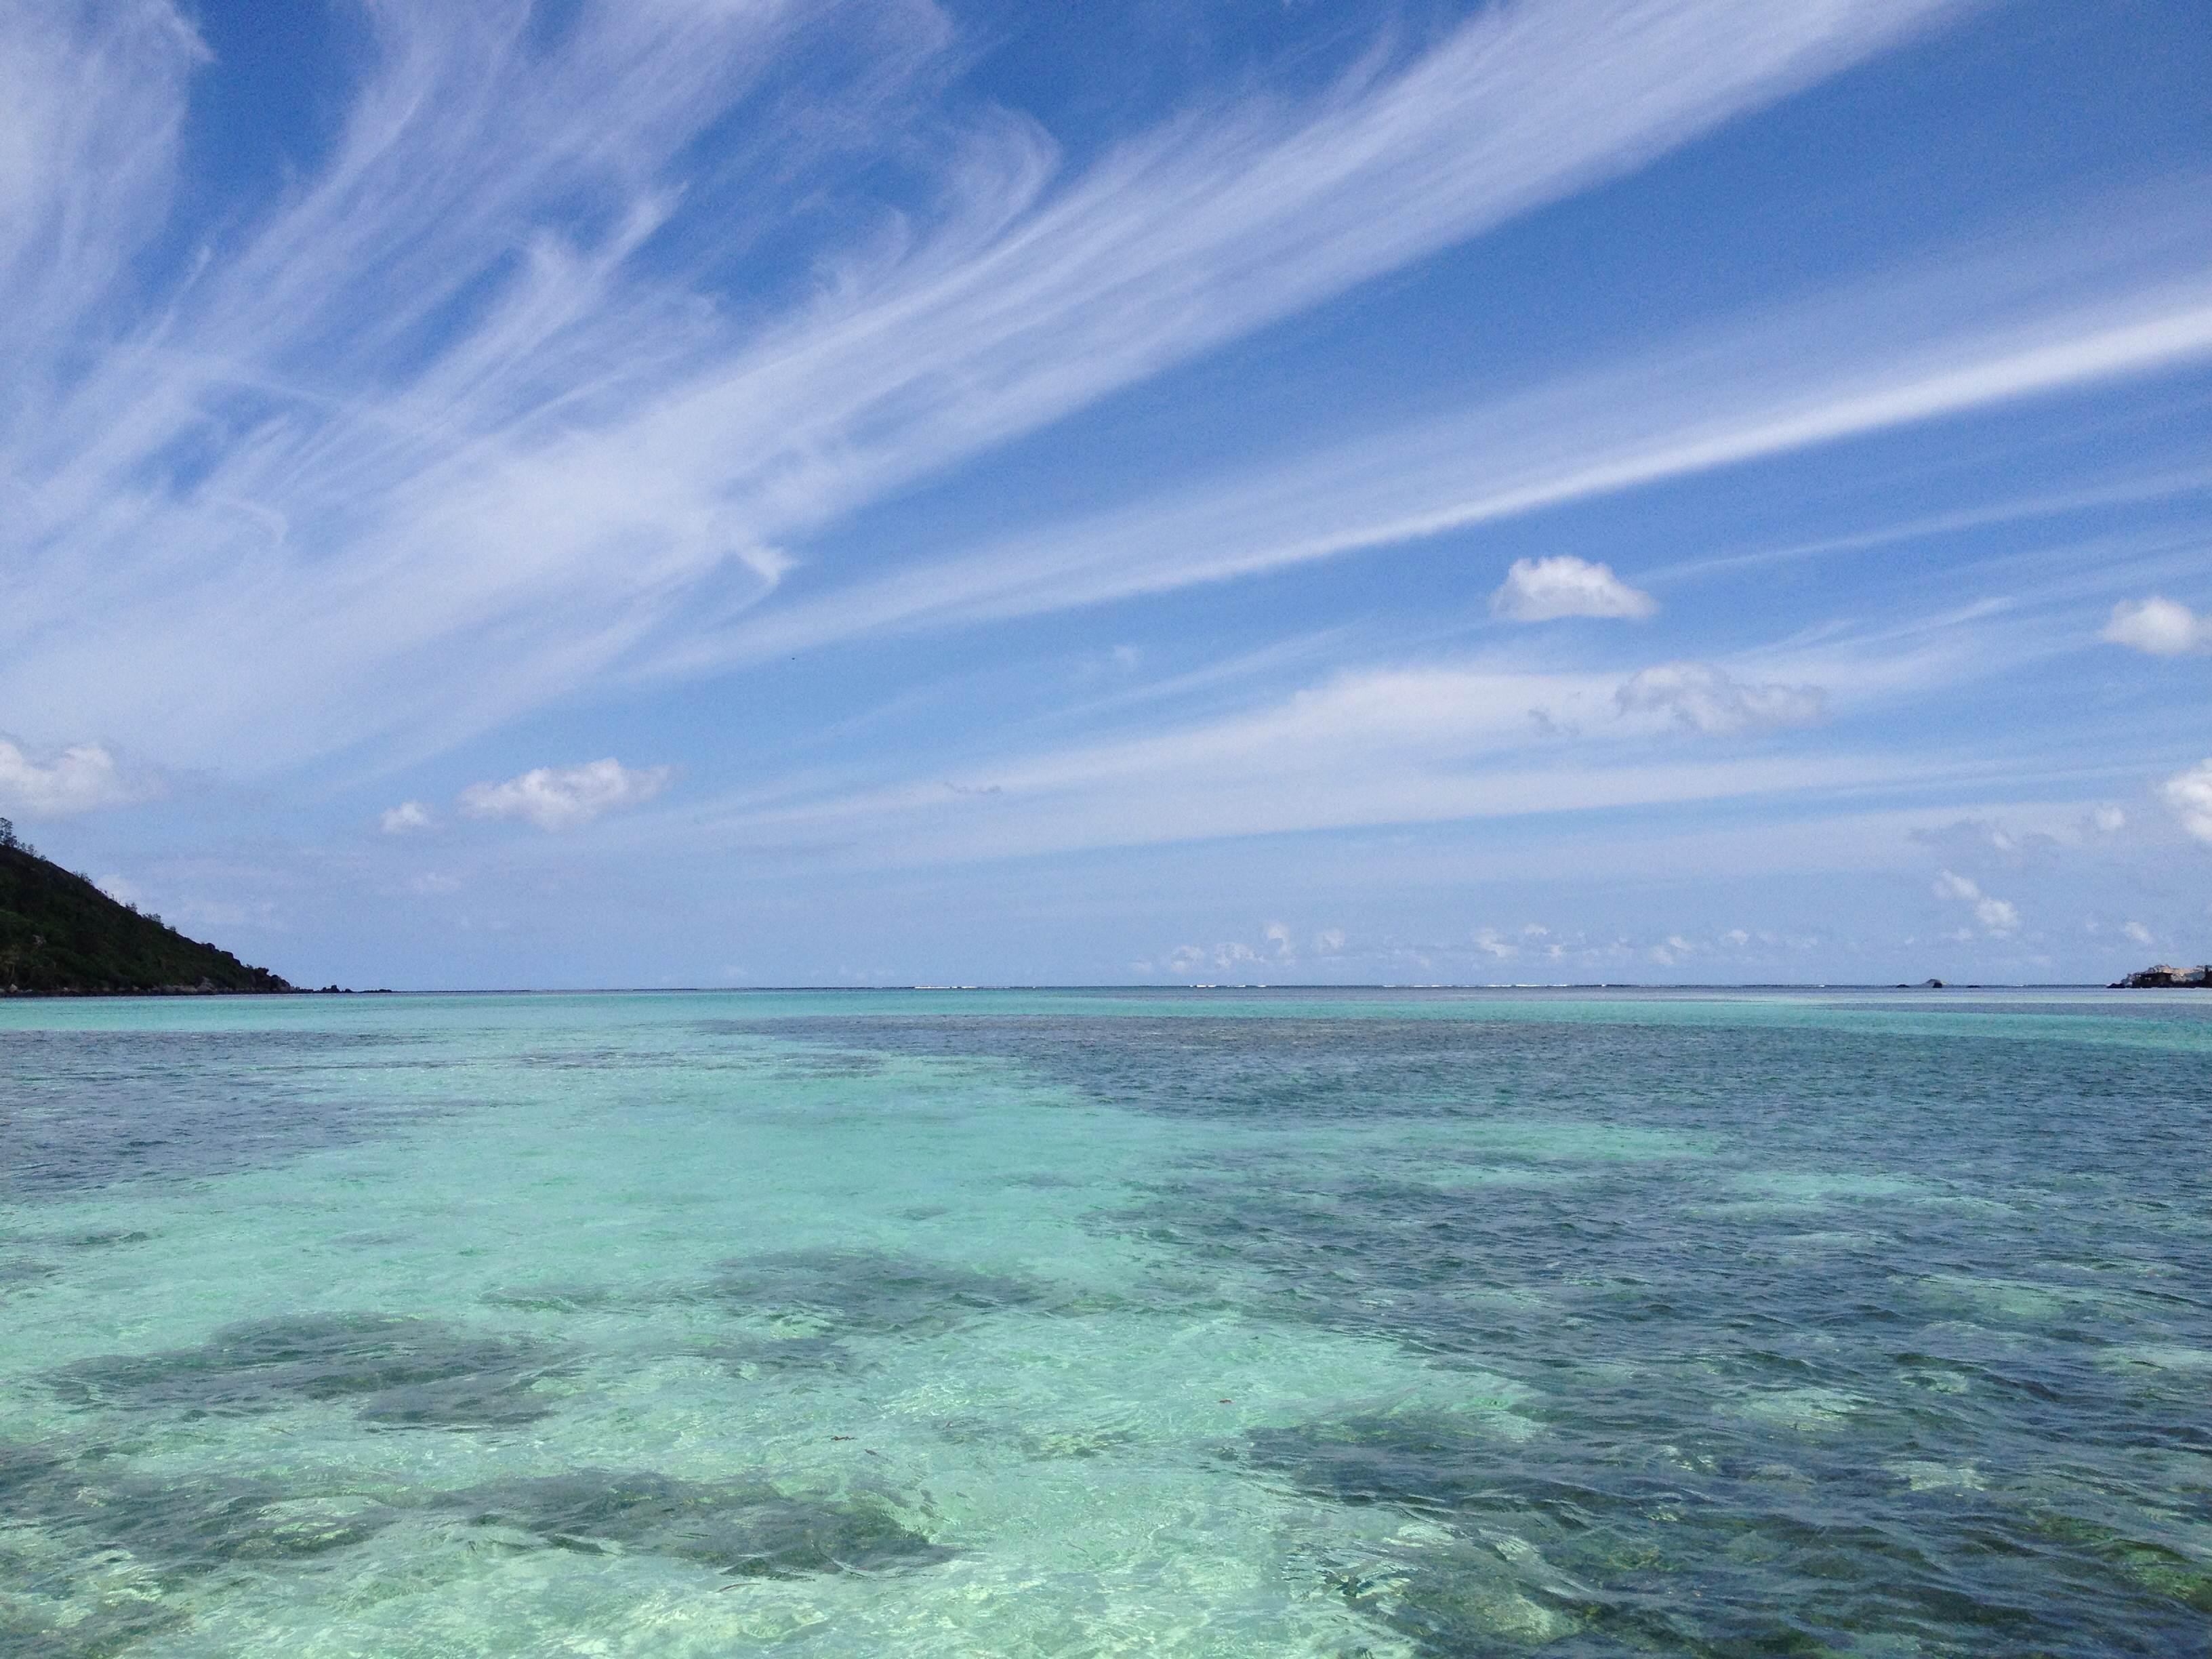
1206 1323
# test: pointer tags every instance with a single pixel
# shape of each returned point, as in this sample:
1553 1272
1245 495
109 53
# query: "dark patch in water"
88 1110
402 1373
747 1530
72 1605
1428 1461
1614 1549
556 1298
868 1292
198 1527
21 1271
752 1358
179 1530
110 1629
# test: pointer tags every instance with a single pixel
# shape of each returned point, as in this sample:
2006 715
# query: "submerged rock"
866 1292
746 1529
401 1372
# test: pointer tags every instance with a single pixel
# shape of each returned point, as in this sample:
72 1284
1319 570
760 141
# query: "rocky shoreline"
2164 977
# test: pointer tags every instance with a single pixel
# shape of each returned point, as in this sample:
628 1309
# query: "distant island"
2162 976
61 936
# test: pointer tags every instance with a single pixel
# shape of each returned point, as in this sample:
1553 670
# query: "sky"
742 492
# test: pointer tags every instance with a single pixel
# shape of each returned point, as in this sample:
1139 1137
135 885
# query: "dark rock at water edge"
61 936
2165 976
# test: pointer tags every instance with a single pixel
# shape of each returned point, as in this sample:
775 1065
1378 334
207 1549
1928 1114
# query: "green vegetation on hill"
60 933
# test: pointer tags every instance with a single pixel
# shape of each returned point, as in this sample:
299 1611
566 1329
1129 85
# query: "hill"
59 934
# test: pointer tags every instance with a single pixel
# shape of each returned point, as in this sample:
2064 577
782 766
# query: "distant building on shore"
2163 976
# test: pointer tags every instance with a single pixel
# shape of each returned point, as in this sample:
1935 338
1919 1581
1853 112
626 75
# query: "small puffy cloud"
564 796
1737 937
1701 697
1278 937
1329 941
408 815
2162 627
2107 820
2138 931
1488 941
1996 915
82 778
2187 795
1949 886
1543 590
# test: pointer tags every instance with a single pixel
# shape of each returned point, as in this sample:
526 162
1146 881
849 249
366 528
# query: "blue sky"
735 492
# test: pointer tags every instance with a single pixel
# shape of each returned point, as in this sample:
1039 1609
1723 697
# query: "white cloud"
1542 590
478 382
1329 941
1423 744
1996 916
2107 820
563 796
1978 327
1950 886
1701 697
1736 936
121 888
2138 931
1279 938
81 778
2162 627
2187 795
408 815
1491 943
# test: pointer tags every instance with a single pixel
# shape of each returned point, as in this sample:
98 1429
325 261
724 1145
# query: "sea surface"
1107 1323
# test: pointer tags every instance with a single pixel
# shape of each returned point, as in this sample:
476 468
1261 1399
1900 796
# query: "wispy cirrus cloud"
2033 313
1407 744
505 395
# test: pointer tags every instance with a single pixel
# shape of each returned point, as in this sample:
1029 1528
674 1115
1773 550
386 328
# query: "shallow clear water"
1086 1323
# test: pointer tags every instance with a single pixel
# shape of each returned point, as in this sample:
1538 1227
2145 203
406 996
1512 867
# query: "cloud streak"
2032 315
506 397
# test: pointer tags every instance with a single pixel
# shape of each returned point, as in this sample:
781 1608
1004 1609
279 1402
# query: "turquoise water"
1392 1324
